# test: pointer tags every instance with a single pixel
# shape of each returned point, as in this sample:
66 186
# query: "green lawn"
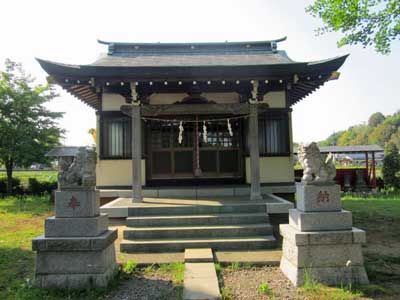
22 219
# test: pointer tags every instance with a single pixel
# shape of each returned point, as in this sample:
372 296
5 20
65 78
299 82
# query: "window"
273 134
115 137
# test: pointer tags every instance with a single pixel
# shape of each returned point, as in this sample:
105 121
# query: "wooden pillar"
366 166
255 190
373 165
136 148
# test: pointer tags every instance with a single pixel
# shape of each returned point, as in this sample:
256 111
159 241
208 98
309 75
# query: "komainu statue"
315 168
80 172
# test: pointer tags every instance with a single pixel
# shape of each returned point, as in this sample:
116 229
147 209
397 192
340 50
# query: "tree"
375 119
367 22
27 128
395 138
93 133
332 140
381 134
391 166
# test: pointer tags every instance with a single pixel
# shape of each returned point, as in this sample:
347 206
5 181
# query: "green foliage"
380 130
218 268
381 134
310 284
265 289
24 176
234 266
226 294
37 188
373 23
149 269
15 183
176 269
391 167
129 267
41 182
332 140
27 128
315 290
376 119
395 138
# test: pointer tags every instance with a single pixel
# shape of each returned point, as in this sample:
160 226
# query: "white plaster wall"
112 102
273 169
275 99
117 172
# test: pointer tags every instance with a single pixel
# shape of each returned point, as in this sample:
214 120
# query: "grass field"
22 219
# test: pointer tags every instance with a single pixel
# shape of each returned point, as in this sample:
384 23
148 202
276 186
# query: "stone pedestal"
77 249
320 240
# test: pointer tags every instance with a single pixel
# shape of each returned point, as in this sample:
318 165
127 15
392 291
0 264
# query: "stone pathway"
200 281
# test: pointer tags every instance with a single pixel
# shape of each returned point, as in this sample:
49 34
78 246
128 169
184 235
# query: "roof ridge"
191 43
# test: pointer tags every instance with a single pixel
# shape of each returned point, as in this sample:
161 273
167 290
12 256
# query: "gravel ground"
243 284
147 286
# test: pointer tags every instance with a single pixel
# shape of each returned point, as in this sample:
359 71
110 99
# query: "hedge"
34 187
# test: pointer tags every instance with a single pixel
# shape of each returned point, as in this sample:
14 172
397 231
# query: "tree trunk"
9 169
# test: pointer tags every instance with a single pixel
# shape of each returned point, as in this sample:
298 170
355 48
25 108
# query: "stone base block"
334 237
312 197
332 276
76 281
77 203
75 227
317 221
66 244
330 257
75 262
323 255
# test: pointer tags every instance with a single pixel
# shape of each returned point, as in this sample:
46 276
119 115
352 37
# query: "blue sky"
66 31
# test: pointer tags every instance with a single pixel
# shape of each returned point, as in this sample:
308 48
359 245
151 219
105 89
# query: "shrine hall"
194 140
194 114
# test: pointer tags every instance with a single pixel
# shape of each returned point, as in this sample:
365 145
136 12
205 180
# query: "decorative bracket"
254 92
134 94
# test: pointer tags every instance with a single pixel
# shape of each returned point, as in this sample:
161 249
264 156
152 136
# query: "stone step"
194 220
173 210
216 231
200 282
177 245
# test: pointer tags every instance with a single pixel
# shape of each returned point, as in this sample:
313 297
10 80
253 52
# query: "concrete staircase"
175 228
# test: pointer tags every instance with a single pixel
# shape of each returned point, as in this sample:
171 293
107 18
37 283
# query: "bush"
36 187
15 183
380 184
391 167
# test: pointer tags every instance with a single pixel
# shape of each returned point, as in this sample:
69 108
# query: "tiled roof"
63 151
349 149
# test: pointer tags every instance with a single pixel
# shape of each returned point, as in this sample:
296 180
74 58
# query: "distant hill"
379 130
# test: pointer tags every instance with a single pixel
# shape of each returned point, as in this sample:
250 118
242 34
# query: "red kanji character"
73 203
323 197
